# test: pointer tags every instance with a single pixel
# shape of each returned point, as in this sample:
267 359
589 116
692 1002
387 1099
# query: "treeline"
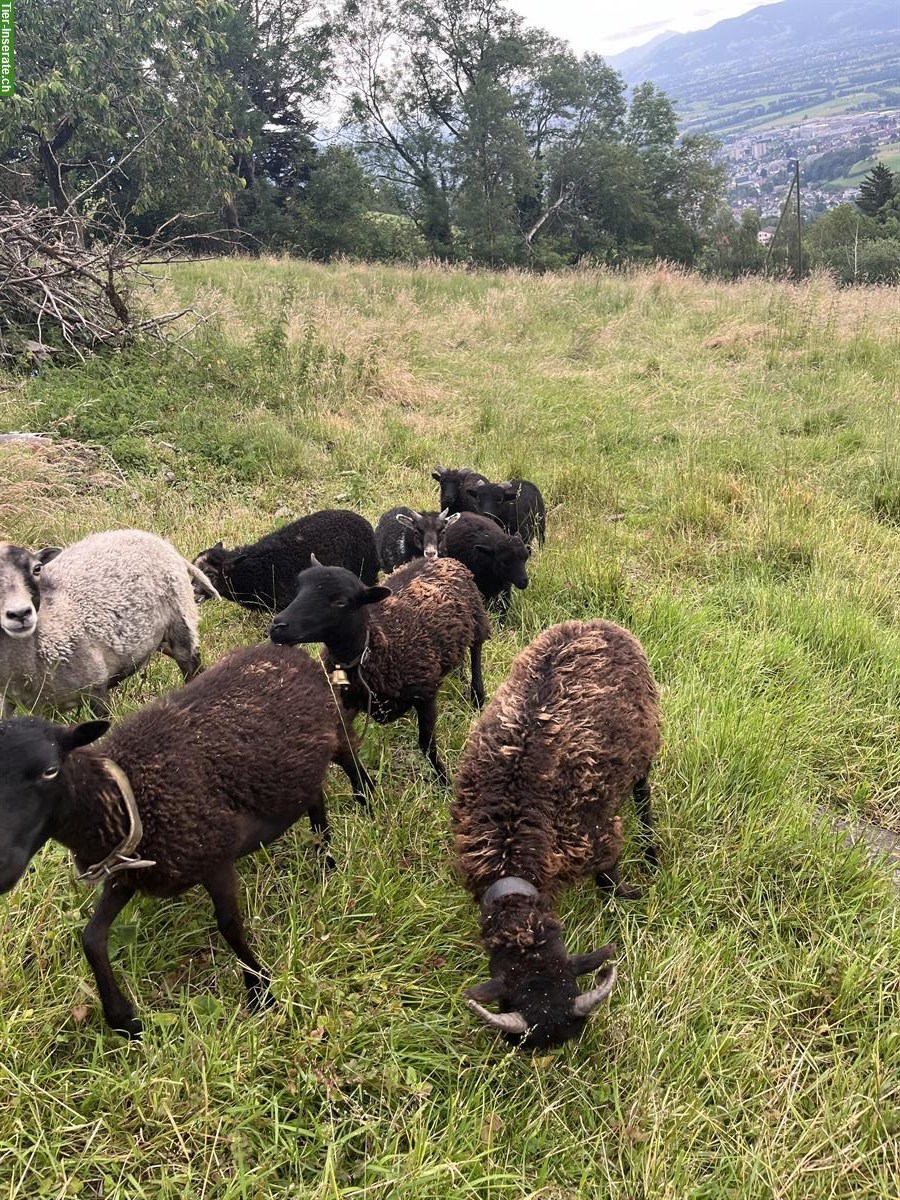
857 243
386 128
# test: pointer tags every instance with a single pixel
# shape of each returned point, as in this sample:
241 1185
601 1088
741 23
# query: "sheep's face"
459 489
212 563
491 497
20 591
541 1005
328 608
425 531
33 752
508 556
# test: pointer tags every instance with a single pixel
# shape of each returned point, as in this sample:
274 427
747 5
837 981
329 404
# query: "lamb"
75 622
403 534
496 559
263 575
394 657
458 488
517 504
176 793
569 735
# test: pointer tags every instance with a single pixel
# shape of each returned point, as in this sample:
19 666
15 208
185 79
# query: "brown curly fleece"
418 635
549 763
250 738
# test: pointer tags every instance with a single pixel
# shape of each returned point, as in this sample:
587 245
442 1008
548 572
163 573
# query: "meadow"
722 467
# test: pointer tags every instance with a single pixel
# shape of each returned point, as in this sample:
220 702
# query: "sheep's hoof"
625 891
260 998
651 855
128 1027
328 863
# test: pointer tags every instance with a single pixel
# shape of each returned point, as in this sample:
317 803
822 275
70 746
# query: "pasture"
722 468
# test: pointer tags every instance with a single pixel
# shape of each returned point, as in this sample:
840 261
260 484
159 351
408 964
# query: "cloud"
634 31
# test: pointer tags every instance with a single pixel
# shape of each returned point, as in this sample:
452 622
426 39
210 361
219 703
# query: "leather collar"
509 885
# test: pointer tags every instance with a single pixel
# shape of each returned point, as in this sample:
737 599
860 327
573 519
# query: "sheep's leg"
181 643
611 881
318 822
95 942
645 815
477 680
222 886
360 779
426 711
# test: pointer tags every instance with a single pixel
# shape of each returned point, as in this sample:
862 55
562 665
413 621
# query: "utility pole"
799 222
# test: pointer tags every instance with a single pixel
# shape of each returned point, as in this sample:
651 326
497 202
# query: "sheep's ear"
219 546
373 595
491 989
581 964
509 492
483 549
438 473
405 519
70 737
48 554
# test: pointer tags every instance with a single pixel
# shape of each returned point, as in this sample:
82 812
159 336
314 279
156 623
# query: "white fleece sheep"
76 622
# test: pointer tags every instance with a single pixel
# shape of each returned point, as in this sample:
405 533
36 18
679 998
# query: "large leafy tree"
114 91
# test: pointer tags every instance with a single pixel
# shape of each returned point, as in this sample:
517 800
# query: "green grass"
721 465
889 155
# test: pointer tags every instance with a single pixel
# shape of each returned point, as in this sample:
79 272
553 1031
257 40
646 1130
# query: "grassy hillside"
721 465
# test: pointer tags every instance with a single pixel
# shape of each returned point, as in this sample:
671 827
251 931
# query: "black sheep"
403 534
458 488
496 559
517 505
263 575
566 739
394 656
214 771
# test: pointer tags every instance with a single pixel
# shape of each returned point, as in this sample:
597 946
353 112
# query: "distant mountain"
793 55
629 60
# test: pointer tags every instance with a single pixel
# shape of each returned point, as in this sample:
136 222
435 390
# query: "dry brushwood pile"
68 286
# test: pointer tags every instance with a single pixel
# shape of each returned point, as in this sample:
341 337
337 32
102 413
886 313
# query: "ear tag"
340 678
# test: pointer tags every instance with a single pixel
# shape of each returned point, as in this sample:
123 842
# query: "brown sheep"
395 656
214 770
566 739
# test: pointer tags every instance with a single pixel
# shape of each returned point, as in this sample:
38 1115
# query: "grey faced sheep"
394 656
403 534
566 739
458 488
517 505
77 621
213 771
496 559
263 576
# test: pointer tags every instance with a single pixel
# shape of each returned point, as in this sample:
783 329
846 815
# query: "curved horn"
313 561
511 1022
445 513
588 1001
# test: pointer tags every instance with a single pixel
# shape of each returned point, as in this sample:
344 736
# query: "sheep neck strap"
509 885
123 857
339 676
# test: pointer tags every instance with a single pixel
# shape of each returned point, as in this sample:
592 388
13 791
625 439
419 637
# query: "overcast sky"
609 26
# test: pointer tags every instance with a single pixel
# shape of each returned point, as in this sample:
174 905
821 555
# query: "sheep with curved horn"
566 739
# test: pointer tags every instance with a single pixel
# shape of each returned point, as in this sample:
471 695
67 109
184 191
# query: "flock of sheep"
174 794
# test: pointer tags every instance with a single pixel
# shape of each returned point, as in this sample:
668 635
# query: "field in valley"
722 466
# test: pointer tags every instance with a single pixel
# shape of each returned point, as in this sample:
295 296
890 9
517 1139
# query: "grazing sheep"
571 733
263 576
496 559
517 505
394 657
214 771
75 622
458 488
403 534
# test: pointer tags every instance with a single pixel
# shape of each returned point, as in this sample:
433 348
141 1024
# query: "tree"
112 91
876 189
